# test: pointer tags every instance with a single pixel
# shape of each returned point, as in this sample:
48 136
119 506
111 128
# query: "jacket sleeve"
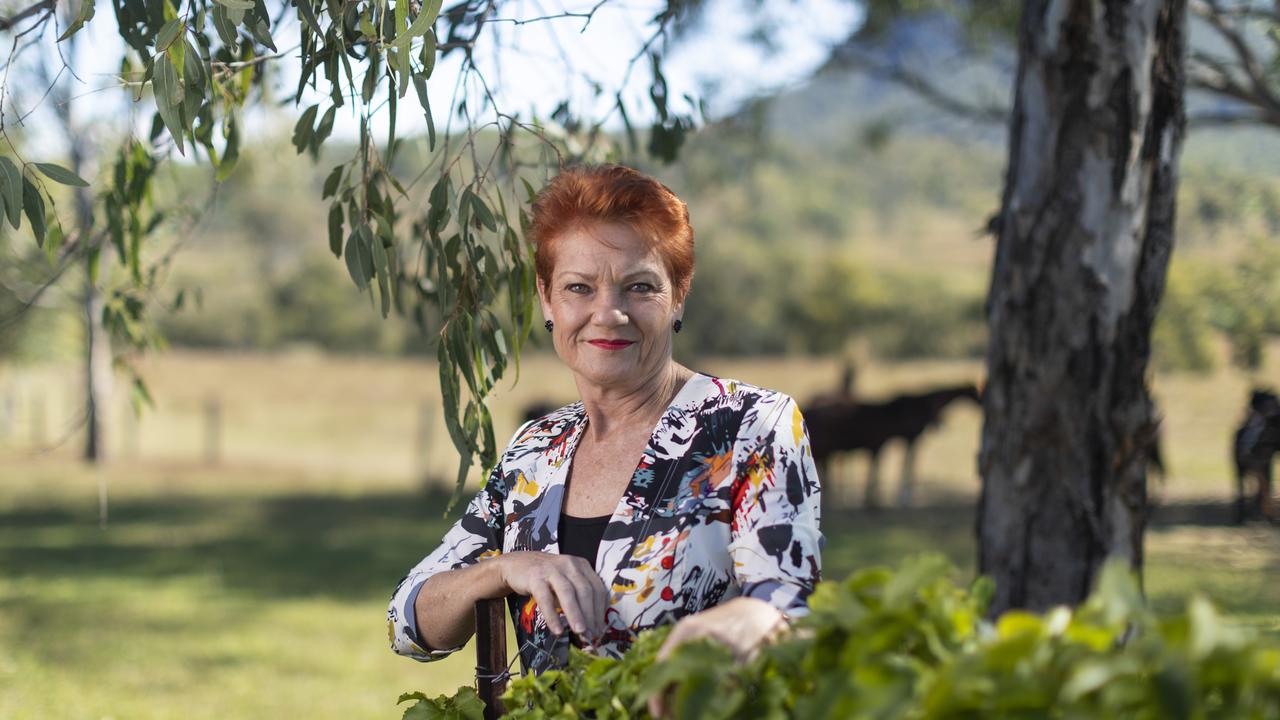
776 545
476 536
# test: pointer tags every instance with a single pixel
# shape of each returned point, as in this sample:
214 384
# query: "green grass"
253 605
269 603
257 588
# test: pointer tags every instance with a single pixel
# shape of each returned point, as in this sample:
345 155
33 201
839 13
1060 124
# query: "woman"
715 528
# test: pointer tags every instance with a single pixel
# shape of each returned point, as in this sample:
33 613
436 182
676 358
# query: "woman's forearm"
445 607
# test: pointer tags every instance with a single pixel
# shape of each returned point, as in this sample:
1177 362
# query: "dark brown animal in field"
836 428
845 395
539 408
1253 447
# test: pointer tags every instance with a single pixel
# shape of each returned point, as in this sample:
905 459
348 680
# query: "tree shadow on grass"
314 545
290 545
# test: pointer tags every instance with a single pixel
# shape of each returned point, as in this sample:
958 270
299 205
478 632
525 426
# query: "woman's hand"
743 624
559 583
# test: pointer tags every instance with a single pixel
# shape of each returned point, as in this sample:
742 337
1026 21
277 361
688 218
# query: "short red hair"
585 194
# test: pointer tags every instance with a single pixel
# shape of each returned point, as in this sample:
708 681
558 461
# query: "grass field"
255 588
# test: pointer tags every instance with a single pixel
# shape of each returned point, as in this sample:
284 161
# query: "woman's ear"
678 308
542 299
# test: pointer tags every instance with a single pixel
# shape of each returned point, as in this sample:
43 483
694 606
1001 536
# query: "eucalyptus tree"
442 243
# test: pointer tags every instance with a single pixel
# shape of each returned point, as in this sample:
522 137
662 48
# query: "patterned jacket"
724 502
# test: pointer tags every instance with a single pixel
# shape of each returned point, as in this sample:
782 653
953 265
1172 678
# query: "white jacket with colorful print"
723 502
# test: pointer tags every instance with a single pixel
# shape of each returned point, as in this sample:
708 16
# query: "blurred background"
234 555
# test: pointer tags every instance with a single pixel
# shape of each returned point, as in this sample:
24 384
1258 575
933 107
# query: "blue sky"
526 64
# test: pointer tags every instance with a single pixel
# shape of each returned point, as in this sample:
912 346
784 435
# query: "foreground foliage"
912 644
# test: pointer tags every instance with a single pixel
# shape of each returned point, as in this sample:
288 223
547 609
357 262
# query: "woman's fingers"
545 597
566 590
591 595
561 583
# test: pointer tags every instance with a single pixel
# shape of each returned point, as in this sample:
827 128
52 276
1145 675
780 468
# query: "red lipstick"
611 344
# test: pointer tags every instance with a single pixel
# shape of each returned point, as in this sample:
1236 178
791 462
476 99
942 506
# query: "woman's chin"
611 373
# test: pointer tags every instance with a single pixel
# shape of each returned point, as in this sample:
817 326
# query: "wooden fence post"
491 655
212 430
422 438
38 429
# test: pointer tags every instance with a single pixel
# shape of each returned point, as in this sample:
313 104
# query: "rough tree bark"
1084 237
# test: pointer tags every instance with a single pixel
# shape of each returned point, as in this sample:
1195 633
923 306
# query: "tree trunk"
97 342
98 378
1084 237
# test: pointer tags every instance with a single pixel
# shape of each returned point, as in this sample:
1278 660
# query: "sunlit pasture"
244 574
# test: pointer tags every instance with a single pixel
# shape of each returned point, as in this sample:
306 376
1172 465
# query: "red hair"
585 194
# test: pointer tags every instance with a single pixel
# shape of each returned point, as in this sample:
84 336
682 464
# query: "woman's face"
613 304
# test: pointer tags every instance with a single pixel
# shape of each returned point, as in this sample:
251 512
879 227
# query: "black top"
581 536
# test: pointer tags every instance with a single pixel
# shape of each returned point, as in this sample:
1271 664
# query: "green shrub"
912 644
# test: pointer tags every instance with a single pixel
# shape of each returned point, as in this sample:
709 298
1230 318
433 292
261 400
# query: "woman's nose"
611 309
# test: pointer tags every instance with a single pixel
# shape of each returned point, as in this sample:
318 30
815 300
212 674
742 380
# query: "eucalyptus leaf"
11 190
324 128
169 33
302 129
420 86
231 152
428 54
83 15
359 264
168 95
421 24
332 181
226 28
60 175
335 229
308 15
33 206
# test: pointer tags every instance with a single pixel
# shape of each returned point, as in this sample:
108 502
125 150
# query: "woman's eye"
642 287
577 288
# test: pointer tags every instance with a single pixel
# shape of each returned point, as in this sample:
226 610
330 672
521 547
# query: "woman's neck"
640 405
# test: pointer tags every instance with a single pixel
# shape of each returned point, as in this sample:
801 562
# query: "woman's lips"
611 344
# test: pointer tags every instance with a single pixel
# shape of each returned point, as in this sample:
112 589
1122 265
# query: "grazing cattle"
844 427
843 396
539 408
1254 446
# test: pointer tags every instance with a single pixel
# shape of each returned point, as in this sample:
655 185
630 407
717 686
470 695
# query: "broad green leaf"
335 229
33 206
193 66
324 128
226 28
11 191
83 15
231 153
302 130
428 53
358 256
169 33
332 181
60 175
261 32
401 14
168 94
421 23
193 90
438 204
241 5
482 213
